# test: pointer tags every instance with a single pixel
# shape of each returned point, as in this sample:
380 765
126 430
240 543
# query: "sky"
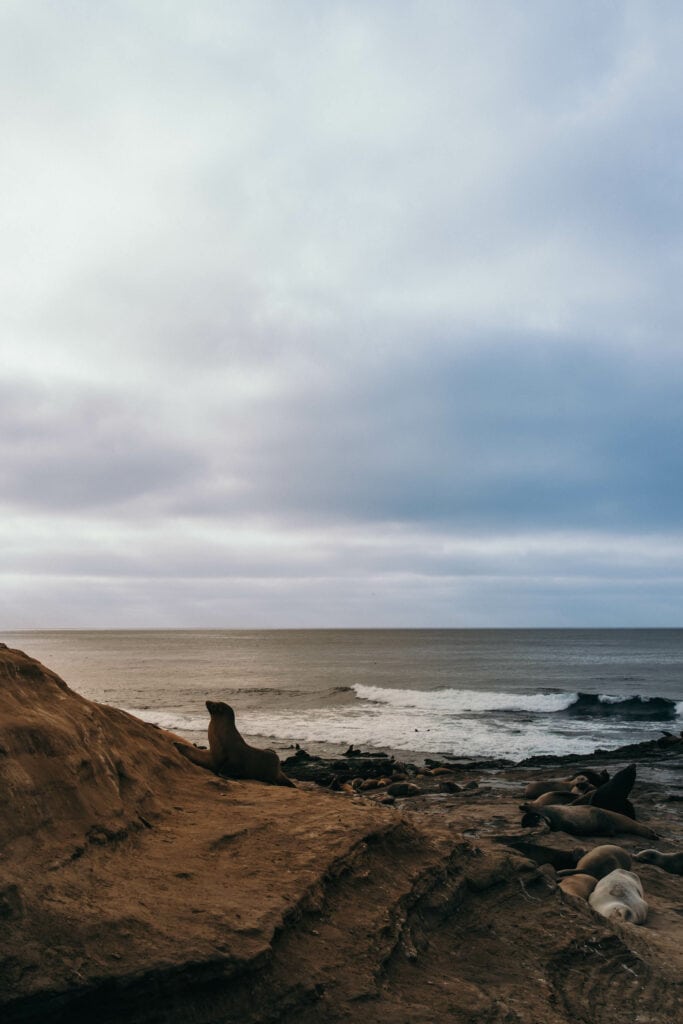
350 314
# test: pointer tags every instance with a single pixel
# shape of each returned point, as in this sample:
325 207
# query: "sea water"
472 693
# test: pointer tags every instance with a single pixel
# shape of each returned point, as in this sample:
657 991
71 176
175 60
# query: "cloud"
283 282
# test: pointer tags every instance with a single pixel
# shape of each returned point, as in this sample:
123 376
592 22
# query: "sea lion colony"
588 804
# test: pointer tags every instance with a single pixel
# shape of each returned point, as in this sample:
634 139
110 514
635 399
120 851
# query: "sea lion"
542 854
536 789
671 862
584 821
579 885
576 784
613 795
230 755
553 797
620 895
599 861
594 778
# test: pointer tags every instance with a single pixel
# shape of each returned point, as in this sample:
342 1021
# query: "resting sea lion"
553 797
620 895
536 789
584 821
671 862
228 754
599 861
594 778
578 885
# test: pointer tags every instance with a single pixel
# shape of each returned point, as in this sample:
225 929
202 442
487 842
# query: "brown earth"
137 887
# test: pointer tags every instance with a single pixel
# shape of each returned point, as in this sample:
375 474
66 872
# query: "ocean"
475 693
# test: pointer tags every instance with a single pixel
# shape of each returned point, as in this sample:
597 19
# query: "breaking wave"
582 705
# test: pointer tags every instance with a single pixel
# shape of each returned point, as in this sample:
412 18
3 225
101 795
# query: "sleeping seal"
584 821
671 862
579 885
620 895
228 754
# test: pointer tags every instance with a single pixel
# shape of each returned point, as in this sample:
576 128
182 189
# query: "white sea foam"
387 727
457 702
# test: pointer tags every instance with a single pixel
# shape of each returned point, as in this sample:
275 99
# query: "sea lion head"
217 707
530 818
649 856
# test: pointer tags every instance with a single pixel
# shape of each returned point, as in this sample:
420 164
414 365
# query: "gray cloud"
377 304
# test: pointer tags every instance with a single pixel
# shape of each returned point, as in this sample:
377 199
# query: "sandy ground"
135 886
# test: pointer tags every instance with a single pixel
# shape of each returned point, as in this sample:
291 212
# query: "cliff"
137 887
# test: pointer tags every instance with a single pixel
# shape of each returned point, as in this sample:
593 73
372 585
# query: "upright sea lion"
613 795
230 755
671 862
620 895
584 821
599 861
580 885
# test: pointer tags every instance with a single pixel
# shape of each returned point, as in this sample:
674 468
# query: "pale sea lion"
578 885
671 862
620 895
230 755
599 861
584 821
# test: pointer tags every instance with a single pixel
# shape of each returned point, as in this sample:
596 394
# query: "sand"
137 887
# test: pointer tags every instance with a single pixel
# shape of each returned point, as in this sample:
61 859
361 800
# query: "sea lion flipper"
201 757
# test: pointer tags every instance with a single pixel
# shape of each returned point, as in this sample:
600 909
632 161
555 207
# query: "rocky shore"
138 887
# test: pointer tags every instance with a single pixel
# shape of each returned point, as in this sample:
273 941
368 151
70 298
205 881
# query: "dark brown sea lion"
613 795
599 861
671 862
230 755
584 821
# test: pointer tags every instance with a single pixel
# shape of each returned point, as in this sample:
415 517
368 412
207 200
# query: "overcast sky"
341 313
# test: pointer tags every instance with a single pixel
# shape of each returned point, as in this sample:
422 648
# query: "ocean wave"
473 702
457 702
659 709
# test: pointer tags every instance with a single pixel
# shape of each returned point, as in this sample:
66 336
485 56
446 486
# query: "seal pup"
230 755
620 895
579 885
599 861
671 862
584 821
